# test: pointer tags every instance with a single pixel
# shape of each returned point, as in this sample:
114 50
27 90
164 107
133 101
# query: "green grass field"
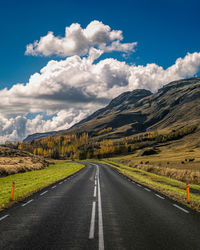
30 182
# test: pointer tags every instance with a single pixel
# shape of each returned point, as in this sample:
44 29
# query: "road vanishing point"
98 208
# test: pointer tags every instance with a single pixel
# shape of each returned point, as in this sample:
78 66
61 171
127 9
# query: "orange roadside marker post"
188 193
12 192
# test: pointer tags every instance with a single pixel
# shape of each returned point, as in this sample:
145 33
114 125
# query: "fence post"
12 191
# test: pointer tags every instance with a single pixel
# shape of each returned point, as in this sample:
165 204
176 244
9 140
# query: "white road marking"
100 219
184 210
147 189
160 196
138 185
44 192
5 216
53 187
92 223
23 205
61 182
133 182
95 183
101 237
95 191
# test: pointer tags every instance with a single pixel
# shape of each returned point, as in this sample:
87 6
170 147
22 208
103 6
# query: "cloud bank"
66 91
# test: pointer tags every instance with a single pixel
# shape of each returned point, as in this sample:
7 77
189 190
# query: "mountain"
120 103
177 104
38 136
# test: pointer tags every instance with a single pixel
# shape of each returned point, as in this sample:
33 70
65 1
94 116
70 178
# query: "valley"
146 134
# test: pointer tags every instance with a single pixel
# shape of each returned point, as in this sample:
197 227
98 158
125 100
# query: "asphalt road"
99 209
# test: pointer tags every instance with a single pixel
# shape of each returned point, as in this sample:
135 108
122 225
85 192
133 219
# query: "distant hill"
175 105
38 136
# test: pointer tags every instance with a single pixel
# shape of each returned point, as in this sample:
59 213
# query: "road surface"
99 209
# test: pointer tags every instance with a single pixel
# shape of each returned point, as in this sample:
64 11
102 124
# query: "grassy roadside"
169 187
30 182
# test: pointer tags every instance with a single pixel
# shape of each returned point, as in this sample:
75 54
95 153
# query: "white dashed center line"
92 223
53 187
95 191
100 218
147 189
138 185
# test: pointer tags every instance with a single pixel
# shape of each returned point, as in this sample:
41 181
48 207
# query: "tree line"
82 147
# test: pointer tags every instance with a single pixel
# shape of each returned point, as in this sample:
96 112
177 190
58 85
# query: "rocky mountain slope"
177 104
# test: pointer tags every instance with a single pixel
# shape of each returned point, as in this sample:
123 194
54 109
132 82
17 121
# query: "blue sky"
164 30
109 47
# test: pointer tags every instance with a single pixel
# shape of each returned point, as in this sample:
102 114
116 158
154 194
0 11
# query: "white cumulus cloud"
66 91
78 41
72 88
16 128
